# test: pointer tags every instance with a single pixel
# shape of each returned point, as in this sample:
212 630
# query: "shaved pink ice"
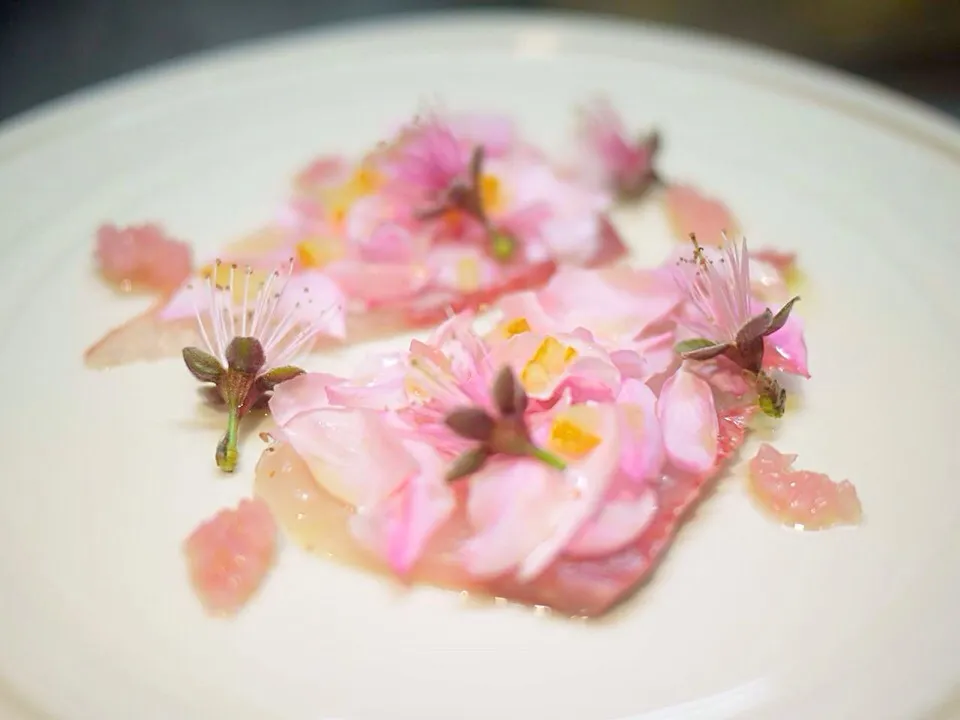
142 257
801 498
229 555
357 472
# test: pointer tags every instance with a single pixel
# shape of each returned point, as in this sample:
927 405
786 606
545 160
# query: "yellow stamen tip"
570 439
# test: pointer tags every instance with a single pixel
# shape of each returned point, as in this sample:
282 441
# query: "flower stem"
547 457
227 453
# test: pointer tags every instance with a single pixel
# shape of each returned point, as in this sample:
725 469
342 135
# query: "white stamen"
278 321
720 291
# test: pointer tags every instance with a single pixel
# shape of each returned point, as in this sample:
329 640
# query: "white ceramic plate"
103 474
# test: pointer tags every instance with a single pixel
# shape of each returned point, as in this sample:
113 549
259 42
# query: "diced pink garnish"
229 555
142 256
802 498
690 211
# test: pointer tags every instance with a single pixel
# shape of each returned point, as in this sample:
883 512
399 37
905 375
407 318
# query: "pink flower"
688 420
620 163
427 158
719 290
786 350
724 314
249 342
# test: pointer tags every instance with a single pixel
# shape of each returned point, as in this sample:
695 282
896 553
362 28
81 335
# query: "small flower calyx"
505 433
240 384
465 195
746 351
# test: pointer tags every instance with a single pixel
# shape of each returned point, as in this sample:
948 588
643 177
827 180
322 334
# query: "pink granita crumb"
802 498
229 555
142 257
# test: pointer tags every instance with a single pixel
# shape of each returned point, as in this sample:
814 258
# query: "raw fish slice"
143 337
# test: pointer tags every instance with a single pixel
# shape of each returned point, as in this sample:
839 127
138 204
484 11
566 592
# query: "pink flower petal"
692 212
589 379
800 497
181 304
618 523
383 387
301 394
512 506
589 375
353 453
399 527
312 296
591 478
688 420
767 283
786 349
229 555
642 452
616 304
393 281
526 306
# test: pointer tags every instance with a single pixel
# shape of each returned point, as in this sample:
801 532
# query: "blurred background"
51 47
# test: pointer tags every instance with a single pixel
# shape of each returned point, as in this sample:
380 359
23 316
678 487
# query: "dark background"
51 47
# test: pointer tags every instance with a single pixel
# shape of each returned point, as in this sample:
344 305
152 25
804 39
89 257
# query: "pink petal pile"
359 467
452 212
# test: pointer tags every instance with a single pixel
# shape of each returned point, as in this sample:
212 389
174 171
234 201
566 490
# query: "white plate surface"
103 474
